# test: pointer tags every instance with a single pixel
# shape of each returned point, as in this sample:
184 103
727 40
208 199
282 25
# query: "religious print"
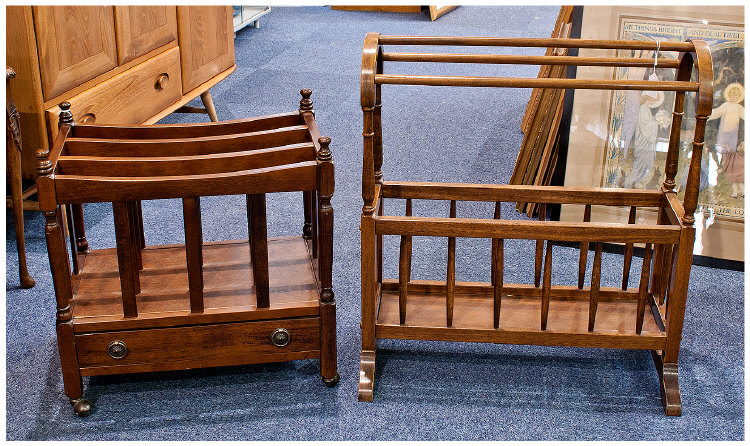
639 125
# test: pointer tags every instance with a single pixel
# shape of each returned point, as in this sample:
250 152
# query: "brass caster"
330 382
82 407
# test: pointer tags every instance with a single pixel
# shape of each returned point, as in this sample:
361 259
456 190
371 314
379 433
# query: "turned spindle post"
58 260
326 186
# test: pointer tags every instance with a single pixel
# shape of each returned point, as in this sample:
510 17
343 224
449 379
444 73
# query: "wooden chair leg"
209 104
14 163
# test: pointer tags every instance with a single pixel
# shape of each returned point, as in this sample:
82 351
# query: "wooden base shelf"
229 293
519 321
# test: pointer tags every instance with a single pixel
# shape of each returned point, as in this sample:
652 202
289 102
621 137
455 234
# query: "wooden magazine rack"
649 317
138 308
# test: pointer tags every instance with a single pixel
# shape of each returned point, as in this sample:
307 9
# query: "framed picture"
619 138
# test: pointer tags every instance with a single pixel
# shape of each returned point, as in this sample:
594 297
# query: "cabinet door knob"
88 118
161 81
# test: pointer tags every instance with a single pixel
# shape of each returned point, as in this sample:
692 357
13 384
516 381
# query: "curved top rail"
694 55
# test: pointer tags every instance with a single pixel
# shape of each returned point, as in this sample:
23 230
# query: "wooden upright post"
326 186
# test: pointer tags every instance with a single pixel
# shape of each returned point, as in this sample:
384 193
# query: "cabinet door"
141 29
206 40
75 44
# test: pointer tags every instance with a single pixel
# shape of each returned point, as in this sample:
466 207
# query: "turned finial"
65 117
325 153
306 103
43 164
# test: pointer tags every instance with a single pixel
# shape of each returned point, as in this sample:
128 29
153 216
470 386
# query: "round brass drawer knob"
117 349
161 81
281 337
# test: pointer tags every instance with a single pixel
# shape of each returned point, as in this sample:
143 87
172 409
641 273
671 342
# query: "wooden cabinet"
206 49
123 65
75 44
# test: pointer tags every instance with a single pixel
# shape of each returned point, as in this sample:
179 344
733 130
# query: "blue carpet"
424 390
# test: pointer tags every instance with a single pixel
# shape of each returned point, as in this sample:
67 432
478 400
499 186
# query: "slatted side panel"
451 228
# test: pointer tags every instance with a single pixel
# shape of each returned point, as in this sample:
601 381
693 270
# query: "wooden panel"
521 229
160 131
166 345
286 178
141 29
185 165
206 40
540 194
112 101
75 43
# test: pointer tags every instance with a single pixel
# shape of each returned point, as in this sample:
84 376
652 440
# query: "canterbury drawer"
129 98
198 346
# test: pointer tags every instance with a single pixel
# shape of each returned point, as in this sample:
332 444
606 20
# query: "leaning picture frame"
618 139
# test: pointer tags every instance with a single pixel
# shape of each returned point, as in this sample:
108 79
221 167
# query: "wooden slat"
191 146
191 209
596 275
72 236
509 193
315 230
514 82
525 337
126 166
125 261
135 230
534 42
584 250
256 209
287 178
404 269
673 207
561 292
163 131
498 263
521 229
531 60
450 277
546 288
628 253
539 249
643 289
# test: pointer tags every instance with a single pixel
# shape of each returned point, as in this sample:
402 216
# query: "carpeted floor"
424 390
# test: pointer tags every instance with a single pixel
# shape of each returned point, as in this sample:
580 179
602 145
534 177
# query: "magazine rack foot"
366 375
669 385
